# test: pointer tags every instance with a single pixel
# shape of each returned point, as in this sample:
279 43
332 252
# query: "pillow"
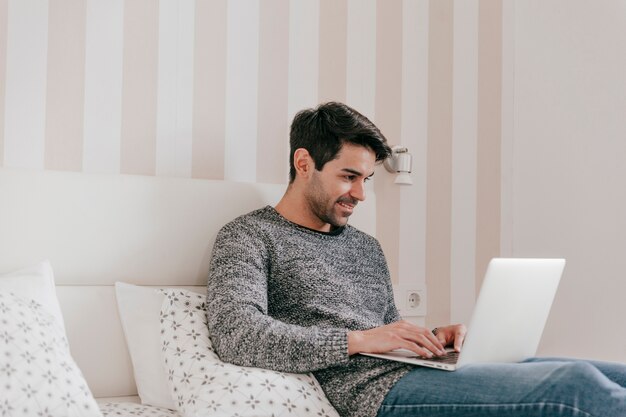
139 311
36 282
203 385
37 373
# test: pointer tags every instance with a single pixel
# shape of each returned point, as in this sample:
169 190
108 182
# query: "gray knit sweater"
283 297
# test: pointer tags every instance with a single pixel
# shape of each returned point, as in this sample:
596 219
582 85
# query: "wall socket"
413 299
410 300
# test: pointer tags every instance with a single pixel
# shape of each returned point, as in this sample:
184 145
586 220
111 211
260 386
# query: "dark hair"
323 131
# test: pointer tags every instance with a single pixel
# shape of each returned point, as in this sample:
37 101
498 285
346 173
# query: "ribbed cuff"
333 345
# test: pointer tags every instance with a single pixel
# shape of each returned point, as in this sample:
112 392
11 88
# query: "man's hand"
398 335
452 335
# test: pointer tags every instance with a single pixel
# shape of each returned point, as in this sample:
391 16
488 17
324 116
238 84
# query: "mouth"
349 207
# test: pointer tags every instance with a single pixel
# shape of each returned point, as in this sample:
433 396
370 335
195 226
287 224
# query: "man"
295 288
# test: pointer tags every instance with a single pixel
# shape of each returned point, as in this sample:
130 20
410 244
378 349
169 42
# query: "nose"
358 190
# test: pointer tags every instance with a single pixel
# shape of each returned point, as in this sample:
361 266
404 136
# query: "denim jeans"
537 387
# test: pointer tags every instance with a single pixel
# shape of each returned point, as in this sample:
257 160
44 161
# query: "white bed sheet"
131 409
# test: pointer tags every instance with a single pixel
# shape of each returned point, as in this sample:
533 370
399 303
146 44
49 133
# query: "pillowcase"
37 373
139 309
203 385
36 282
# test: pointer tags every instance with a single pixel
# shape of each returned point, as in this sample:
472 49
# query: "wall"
513 112
565 172
206 89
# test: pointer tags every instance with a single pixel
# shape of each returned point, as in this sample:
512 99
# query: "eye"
350 177
367 179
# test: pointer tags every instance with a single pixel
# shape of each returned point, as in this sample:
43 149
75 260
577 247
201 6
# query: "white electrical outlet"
413 300
410 300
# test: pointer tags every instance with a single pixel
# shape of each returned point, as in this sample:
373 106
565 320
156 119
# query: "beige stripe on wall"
388 112
209 99
272 143
465 98
139 91
439 170
3 70
66 85
361 56
414 136
489 135
333 50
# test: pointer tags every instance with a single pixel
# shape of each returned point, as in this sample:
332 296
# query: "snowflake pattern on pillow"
203 385
38 376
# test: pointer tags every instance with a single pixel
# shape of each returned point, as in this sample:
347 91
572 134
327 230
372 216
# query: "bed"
147 232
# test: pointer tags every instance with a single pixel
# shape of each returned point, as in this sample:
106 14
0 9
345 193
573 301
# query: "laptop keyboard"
449 358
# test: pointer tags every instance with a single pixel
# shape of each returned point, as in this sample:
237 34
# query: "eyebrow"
355 172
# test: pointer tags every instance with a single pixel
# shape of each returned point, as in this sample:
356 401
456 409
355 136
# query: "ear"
303 163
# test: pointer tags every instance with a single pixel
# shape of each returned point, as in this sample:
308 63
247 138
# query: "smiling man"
295 288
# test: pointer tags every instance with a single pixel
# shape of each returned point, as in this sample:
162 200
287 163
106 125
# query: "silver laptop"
509 317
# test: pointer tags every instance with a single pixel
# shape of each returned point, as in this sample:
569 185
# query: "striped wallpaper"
206 89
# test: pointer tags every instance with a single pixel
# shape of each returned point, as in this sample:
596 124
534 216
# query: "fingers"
422 337
459 337
433 346
453 335
418 350
442 338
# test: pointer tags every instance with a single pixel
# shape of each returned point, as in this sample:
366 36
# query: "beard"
325 207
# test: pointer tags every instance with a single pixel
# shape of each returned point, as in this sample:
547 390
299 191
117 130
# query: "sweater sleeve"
391 314
240 328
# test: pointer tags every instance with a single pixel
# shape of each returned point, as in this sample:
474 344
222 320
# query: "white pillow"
203 385
139 309
36 282
37 373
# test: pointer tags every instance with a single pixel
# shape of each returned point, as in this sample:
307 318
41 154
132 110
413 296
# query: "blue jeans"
537 387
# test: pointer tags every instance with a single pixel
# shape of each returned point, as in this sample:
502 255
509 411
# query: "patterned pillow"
203 385
37 373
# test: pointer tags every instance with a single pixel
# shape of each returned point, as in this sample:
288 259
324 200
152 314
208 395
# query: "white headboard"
99 229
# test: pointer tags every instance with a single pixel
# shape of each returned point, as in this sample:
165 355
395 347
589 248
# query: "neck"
293 207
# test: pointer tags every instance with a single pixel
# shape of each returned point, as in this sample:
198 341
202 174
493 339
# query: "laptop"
508 319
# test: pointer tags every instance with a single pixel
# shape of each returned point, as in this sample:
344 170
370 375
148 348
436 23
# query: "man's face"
333 192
